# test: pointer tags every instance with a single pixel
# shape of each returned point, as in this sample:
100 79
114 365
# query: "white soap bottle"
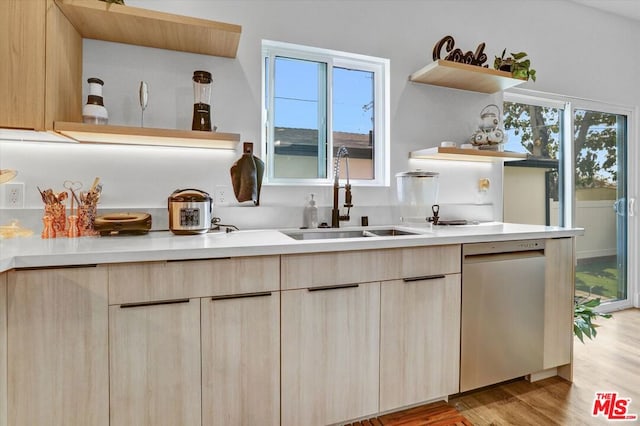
310 215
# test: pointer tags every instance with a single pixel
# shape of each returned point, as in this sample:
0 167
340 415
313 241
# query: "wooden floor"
609 363
434 414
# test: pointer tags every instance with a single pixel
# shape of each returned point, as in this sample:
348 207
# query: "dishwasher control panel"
502 247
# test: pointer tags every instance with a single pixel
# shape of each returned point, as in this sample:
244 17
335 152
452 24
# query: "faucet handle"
347 196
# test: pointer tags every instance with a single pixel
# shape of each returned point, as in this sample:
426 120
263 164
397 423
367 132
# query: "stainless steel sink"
332 233
390 232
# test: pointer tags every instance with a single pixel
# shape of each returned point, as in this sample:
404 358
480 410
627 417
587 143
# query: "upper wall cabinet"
42 50
131 25
41 67
456 75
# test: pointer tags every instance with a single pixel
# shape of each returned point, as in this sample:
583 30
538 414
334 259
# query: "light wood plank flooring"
611 362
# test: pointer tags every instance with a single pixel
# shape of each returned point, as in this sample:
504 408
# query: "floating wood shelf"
456 75
123 135
439 153
131 25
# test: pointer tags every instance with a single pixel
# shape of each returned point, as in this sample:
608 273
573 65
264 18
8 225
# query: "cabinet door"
22 48
41 68
3 349
330 347
57 340
155 363
558 302
241 360
151 281
307 270
419 340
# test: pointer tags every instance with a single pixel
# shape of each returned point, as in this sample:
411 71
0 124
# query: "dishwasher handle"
497 257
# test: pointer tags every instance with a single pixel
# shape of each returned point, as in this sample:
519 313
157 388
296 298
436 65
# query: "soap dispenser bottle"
310 215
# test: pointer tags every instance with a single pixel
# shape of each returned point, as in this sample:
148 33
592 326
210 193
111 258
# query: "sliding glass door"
600 202
576 175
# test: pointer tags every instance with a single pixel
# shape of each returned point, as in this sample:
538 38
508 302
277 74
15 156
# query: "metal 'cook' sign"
456 55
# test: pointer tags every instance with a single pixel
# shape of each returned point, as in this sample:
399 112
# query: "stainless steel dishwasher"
502 311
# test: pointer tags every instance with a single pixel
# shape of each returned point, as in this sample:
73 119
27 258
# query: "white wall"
576 51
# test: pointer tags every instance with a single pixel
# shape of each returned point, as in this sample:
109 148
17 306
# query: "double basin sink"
332 233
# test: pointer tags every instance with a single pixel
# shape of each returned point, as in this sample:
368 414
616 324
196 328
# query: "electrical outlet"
14 195
222 196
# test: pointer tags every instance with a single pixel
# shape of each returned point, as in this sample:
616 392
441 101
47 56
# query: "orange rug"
435 414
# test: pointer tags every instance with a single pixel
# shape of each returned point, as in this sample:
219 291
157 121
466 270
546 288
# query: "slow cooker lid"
189 195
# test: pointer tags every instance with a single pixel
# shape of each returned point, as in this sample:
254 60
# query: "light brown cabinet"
321 269
154 357
216 342
3 349
241 359
41 72
558 302
357 339
153 281
330 346
419 340
195 342
41 68
58 368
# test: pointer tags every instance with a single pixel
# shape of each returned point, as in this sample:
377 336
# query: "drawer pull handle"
197 260
241 296
423 278
162 302
333 287
38 268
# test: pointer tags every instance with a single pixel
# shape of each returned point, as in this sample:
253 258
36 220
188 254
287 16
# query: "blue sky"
297 97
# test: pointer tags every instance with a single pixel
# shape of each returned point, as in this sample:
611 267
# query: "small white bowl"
448 144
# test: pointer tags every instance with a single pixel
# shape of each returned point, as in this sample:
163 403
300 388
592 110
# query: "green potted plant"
516 65
584 314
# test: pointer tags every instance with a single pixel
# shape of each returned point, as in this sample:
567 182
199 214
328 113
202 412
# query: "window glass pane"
533 187
316 101
532 129
299 119
600 142
353 120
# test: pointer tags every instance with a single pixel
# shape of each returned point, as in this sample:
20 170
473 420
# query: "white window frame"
378 66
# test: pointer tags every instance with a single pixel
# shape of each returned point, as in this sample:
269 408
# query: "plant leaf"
519 55
578 333
592 303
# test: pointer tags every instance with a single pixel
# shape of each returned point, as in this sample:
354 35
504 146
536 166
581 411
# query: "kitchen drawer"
321 269
152 281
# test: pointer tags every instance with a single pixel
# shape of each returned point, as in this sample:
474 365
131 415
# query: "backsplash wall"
141 178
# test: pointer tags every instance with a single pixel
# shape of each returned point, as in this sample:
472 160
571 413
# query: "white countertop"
33 252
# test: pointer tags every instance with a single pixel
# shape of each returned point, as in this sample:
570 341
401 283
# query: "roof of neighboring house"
292 141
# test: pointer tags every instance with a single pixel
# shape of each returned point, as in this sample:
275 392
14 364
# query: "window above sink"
314 102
